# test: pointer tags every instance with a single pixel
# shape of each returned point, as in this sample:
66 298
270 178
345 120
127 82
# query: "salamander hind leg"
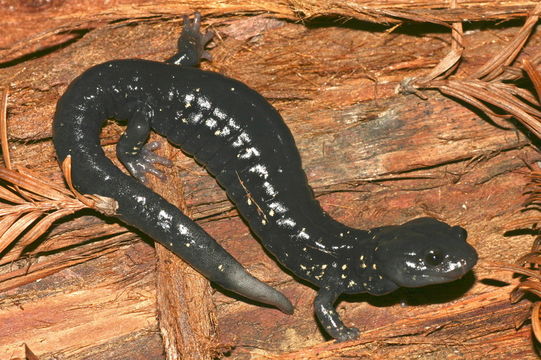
329 318
140 159
191 44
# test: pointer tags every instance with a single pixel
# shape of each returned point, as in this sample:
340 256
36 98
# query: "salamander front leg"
140 159
329 318
191 44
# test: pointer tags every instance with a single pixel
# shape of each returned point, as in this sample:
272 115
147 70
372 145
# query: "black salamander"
244 143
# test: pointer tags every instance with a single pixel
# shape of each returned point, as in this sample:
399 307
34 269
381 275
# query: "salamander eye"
433 258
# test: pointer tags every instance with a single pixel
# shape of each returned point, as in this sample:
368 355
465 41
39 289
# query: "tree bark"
374 157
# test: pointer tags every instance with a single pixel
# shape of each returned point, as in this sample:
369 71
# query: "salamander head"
422 252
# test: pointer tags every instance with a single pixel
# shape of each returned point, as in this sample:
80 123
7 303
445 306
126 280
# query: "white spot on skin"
374 266
269 189
263 222
344 267
242 139
303 235
141 200
248 153
183 230
188 100
224 131
211 123
233 124
278 207
261 170
219 114
343 276
221 268
324 266
287 222
271 213
165 219
195 117
352 283
249 201
203 103
303 267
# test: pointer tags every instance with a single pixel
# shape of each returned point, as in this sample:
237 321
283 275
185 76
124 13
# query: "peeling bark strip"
186 311
24 32
374 158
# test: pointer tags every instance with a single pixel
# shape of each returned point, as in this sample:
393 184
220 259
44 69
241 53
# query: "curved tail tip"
285 306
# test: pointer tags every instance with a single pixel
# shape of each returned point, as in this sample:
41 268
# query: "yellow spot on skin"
324 266
374 266
344 267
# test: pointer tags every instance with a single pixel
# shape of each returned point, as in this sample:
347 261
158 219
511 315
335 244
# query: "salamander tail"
241 282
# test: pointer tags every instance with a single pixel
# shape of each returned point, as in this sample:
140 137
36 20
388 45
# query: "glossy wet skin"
423 252
244 143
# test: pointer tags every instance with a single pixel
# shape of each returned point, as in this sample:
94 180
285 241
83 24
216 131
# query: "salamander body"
244 143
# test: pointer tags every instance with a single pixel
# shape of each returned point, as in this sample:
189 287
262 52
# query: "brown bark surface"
87 289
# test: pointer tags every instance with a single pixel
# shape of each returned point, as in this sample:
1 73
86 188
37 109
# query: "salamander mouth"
450 271
455 270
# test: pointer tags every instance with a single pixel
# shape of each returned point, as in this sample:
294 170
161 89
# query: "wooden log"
374 157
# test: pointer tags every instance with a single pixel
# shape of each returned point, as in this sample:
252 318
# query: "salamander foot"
144 162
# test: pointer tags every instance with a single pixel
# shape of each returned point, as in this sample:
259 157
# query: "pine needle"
29 204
